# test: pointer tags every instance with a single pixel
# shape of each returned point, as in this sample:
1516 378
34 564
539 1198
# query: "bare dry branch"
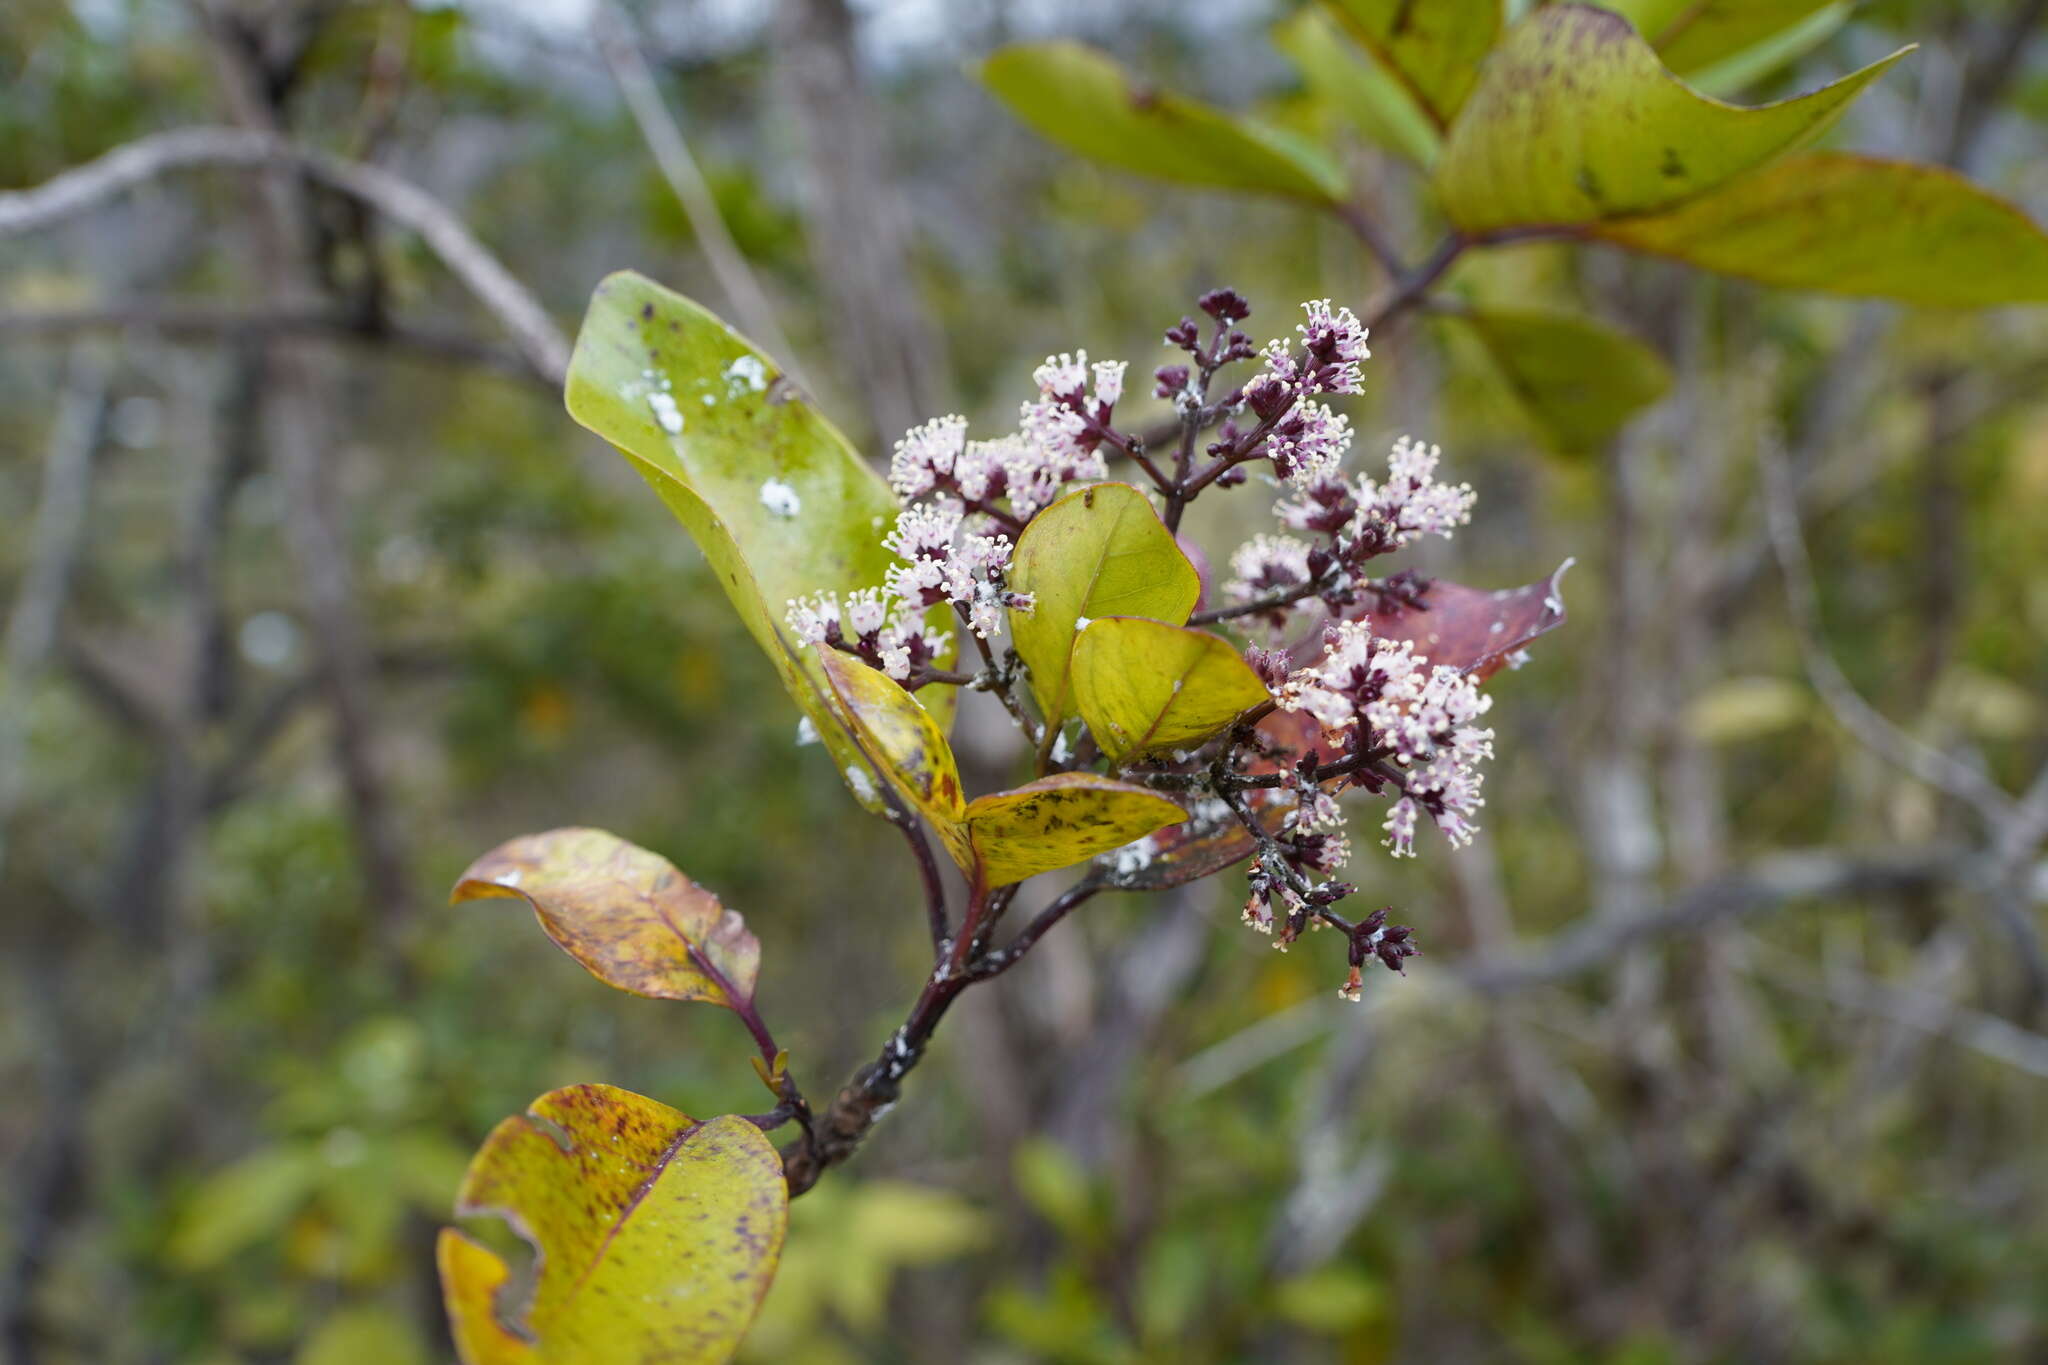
148 158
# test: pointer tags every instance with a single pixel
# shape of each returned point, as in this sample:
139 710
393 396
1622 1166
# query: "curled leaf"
1061 820
625 913
900 737
655 1235
1144 685
1576 121
1100 552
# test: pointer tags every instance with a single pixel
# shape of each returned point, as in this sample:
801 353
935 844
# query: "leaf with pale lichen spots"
625 913
1061 820
655 1235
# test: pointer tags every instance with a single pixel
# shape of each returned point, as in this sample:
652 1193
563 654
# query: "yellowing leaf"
1433 47
656 1235
1857 225
1579 380
1061 820
779 502
625 913
900 736
1357 86
1100 552
1144 685
1690 34
1080 99
1576 121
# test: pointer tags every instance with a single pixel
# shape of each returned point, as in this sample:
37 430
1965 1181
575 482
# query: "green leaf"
1759 60
1576 121
900 736
656 1235
243 1203
1579 380
1100 552
1433 47
623 912
779 502
1357 86
1061 820
1848 224
1080 99
1690 34
354 1336
1144 685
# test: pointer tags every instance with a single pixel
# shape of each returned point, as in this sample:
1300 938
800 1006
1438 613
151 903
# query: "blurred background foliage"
246 1050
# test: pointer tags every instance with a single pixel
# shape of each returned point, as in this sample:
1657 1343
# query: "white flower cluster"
959 494
1375 696
1361 518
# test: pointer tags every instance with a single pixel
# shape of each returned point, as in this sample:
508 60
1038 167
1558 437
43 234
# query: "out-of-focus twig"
616 40
399 200
1870 727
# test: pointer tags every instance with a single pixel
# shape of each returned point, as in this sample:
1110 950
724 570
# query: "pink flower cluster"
1377 699
1357 519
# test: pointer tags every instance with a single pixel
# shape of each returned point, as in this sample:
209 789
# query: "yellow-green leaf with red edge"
1575 121
625 913
1061 820
1102 551
1144 685
780 503
900 737
1432 47
1848 224
655 1235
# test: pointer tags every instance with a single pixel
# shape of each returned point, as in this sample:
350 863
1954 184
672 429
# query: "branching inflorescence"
1345 706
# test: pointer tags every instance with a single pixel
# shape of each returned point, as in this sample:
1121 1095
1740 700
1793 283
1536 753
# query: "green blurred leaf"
360 1336
900 736
1355 85
779 502
1056 1187
1576 121
246 1202
1432 47
656 1235
1144 685
1080 99
1760 60
1333 1300
1847 224
1690 34
1061 820
1100 552
1738 709
1579 380
624 912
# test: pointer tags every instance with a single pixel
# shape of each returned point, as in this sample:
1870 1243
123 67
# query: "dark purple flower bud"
1225 305
1186 334
1233 476
1172 379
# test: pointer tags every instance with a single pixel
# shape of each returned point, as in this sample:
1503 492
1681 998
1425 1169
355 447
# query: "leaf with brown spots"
624 913
1061 820
901 739
655 1235
1575 121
